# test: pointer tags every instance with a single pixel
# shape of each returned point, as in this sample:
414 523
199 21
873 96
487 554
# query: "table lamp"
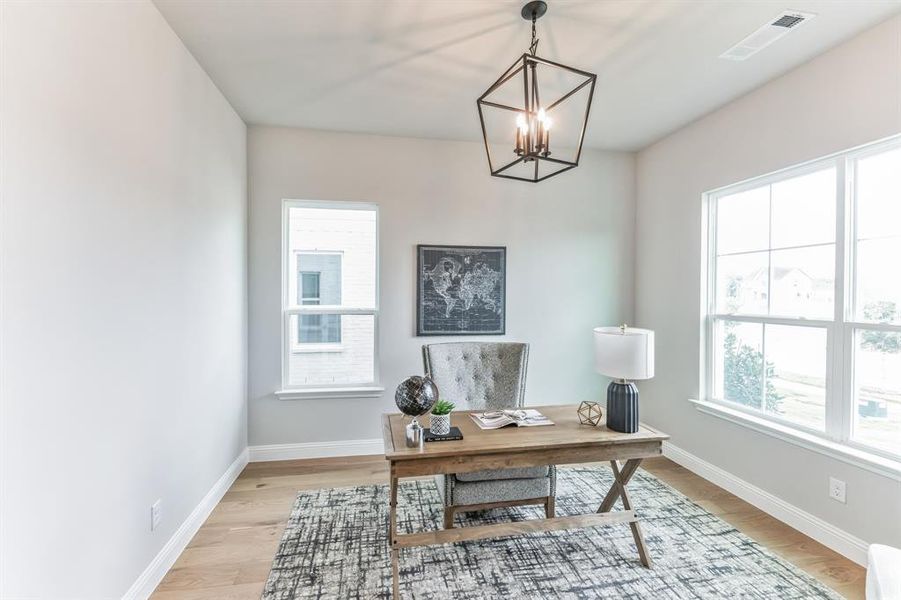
623 353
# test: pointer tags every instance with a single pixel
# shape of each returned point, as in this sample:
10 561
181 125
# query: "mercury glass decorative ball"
416 395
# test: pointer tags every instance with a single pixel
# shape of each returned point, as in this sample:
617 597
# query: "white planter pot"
440 424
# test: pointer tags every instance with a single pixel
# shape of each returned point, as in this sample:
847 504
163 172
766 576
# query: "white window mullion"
711 294
848 403
837 401
763 369
325 309
793 321
286 347
769 297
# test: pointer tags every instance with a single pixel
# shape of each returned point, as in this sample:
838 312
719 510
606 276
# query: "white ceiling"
415 68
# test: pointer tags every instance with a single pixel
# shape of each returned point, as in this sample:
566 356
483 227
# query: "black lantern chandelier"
517 114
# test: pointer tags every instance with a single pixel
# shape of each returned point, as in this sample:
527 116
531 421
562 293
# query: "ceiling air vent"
766 35
787 21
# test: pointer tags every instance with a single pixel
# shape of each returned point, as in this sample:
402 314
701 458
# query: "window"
315 291
803 298
330 307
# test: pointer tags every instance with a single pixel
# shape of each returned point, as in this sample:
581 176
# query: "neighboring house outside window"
319 278
803 300
329 299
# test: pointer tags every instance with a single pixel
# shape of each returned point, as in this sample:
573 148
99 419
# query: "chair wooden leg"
448 517
549 509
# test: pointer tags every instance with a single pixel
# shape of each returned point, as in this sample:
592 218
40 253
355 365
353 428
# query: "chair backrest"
478 375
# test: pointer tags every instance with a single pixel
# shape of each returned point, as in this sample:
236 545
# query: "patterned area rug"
335 546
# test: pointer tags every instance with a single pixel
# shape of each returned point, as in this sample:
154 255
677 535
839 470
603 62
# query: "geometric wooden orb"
590 413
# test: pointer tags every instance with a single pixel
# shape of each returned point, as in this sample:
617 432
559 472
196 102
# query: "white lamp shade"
624 354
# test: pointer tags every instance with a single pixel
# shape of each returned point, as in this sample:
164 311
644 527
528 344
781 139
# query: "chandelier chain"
533 47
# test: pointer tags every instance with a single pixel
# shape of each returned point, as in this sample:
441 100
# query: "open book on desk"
527 417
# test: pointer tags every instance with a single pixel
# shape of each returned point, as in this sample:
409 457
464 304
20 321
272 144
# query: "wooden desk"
567 441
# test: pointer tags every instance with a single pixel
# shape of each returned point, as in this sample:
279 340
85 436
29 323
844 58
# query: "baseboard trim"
829 535
316 450
146 583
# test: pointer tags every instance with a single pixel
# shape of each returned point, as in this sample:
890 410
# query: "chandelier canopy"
517 113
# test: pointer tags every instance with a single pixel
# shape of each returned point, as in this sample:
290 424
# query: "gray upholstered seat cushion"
517 473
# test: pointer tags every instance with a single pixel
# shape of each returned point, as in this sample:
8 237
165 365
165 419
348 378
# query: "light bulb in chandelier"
535 139
522 134
542 141
546 126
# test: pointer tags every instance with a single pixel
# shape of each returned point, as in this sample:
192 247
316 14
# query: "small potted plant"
440 418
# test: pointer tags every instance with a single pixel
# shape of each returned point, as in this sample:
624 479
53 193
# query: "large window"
803 298
330 298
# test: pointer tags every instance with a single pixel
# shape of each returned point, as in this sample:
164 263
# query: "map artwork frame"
461 290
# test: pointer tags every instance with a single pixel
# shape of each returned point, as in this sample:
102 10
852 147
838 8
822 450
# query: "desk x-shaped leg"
621 478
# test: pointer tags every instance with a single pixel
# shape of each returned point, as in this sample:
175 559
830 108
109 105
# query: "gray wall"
569 260
123 279
846 97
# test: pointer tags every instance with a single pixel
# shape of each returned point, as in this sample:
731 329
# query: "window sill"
859 458
339 393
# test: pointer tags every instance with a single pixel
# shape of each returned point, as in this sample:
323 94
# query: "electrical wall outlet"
837 489
156 514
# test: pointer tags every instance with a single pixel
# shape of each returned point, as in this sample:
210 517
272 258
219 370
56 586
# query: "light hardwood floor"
229 557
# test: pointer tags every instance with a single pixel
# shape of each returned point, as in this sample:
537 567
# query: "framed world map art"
461 290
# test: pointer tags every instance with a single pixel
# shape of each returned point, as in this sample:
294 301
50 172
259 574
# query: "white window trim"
362 389
330 393
852 455
841 408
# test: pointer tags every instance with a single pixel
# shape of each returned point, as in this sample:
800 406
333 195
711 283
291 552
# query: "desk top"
566 432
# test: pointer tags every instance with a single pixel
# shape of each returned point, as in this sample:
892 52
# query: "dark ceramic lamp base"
622 407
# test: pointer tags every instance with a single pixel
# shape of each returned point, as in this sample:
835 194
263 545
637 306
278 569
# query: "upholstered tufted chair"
486 376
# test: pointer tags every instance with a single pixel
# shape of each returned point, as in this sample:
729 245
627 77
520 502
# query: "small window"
330 300
803 298
319 278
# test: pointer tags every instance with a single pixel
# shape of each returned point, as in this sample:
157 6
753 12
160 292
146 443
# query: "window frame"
840 393
362 389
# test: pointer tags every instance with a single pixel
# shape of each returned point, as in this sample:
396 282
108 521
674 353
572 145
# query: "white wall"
123 293
569 260
845 97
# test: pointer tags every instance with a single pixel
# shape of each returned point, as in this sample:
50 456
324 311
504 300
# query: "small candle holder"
413 435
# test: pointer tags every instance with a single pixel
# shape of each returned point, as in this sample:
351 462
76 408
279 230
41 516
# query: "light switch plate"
156 514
